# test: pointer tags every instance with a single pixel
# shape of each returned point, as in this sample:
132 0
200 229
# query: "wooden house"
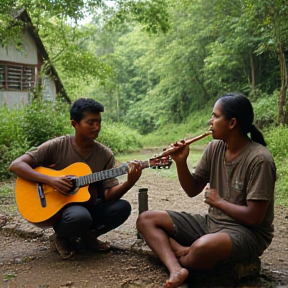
20 69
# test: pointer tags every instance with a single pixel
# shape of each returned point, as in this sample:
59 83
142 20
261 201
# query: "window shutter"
14 77
28 78
17 77
2 77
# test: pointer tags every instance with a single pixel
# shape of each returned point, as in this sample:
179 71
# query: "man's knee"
142 220
75 221
118 213
197 255
153 218
124 208
207 251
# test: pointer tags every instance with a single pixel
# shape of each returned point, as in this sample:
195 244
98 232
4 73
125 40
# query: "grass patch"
7 189
7 197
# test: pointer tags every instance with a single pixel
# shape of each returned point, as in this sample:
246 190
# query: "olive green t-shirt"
59 153
251 176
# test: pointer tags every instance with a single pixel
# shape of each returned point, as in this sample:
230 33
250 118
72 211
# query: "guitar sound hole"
73 189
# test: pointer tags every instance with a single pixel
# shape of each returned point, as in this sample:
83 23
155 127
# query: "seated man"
239 174
105 210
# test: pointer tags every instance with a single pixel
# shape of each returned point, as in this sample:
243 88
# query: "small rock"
18 260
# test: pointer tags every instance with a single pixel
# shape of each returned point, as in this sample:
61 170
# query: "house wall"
49 88
27 55
13 98
30 56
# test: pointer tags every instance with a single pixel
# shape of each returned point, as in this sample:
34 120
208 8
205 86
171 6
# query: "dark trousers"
77 220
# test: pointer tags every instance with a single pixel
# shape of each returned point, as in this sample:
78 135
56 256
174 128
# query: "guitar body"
43 212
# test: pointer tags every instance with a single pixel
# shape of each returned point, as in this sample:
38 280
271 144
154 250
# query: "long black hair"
236 105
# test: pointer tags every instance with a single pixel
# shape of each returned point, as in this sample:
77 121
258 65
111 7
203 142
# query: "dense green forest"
145 58
158 66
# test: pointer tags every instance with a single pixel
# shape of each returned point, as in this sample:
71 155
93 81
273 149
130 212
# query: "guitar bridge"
41 195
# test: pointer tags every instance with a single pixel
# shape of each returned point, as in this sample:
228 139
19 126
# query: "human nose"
210 121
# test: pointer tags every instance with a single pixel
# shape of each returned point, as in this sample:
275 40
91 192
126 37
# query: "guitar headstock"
160 162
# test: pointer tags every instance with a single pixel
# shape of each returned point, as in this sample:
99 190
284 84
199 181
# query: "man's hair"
82 105
237 105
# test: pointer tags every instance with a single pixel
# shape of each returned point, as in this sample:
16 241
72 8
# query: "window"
1 77
17 77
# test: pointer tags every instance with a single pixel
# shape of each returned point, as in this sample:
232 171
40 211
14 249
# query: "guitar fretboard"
106 174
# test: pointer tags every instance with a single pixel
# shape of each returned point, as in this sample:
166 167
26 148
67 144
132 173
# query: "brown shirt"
59 153
251 176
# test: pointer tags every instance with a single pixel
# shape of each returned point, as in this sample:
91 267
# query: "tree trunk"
252 75
282 113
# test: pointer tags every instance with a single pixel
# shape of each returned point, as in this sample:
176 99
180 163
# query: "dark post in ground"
142 203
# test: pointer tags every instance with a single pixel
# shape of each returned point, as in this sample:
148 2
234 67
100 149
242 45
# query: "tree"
67 48
272 23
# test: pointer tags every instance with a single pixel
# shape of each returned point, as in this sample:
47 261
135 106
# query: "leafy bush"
276 142
281 194
147 122
8 154
44 119
119 138
13 142
194 125
11 126
29 126
266 110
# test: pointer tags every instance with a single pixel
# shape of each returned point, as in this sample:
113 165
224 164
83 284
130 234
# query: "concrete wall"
13 98
49 88
27 55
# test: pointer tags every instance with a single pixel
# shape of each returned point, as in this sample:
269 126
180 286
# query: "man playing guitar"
105 210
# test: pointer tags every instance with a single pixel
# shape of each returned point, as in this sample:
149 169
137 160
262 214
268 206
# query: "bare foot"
177 278
178 249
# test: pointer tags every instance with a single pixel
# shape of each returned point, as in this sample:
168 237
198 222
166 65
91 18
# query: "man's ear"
233 122
73 123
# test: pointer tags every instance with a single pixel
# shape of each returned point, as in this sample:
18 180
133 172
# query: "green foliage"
151 14
29 126
70 50
276 141
10 125
277 144
45 119
151 111
7 189
266 110
8 154
119 138
195 125
13 141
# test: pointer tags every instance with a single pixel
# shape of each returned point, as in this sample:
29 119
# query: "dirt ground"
29 263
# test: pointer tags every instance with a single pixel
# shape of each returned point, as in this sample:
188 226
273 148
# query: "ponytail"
256 135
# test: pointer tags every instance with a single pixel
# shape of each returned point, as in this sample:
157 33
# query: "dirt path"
29 262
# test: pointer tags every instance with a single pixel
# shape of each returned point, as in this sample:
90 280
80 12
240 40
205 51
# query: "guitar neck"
106 174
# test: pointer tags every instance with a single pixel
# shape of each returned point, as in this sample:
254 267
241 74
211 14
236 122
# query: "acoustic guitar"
39 203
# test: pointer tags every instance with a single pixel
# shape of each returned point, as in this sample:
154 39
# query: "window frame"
17 76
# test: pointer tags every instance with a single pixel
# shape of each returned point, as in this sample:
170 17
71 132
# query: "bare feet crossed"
178 249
